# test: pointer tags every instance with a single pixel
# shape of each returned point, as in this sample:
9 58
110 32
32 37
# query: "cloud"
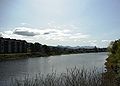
78 36
107 41
0 34
53 33
24 24
46 35
93 42
25 31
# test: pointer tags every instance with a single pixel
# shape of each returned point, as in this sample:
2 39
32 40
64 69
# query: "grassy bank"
72 77
4 57
14 56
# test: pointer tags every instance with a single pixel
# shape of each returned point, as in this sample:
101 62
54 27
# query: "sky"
61 22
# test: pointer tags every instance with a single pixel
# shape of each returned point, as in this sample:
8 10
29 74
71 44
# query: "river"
45 65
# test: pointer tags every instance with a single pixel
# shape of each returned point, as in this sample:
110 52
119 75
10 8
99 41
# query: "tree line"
37 48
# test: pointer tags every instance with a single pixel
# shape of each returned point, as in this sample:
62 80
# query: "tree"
113 60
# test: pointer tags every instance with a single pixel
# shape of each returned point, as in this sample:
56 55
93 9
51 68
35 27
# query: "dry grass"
72 77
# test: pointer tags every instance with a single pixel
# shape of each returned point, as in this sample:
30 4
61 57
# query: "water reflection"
45 65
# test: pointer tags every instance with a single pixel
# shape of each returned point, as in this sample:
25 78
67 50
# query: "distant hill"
77 47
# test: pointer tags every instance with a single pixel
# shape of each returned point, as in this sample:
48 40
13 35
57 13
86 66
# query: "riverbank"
15 56
4 57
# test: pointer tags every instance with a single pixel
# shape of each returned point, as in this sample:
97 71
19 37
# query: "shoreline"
17 56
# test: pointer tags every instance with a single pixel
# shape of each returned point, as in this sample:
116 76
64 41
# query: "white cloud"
108 41
78 36
93 42
48 35
24 24
56 35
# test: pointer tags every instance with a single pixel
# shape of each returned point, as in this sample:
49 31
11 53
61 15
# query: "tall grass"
72 77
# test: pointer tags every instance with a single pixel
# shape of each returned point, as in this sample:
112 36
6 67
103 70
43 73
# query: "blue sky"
61 22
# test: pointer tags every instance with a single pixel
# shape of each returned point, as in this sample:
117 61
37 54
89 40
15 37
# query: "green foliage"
113 60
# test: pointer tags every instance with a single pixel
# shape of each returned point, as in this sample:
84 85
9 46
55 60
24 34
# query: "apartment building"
8 45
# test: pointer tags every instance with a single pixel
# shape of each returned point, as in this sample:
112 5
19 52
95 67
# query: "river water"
45 65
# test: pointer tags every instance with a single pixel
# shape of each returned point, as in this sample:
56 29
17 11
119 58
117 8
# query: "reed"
72 77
